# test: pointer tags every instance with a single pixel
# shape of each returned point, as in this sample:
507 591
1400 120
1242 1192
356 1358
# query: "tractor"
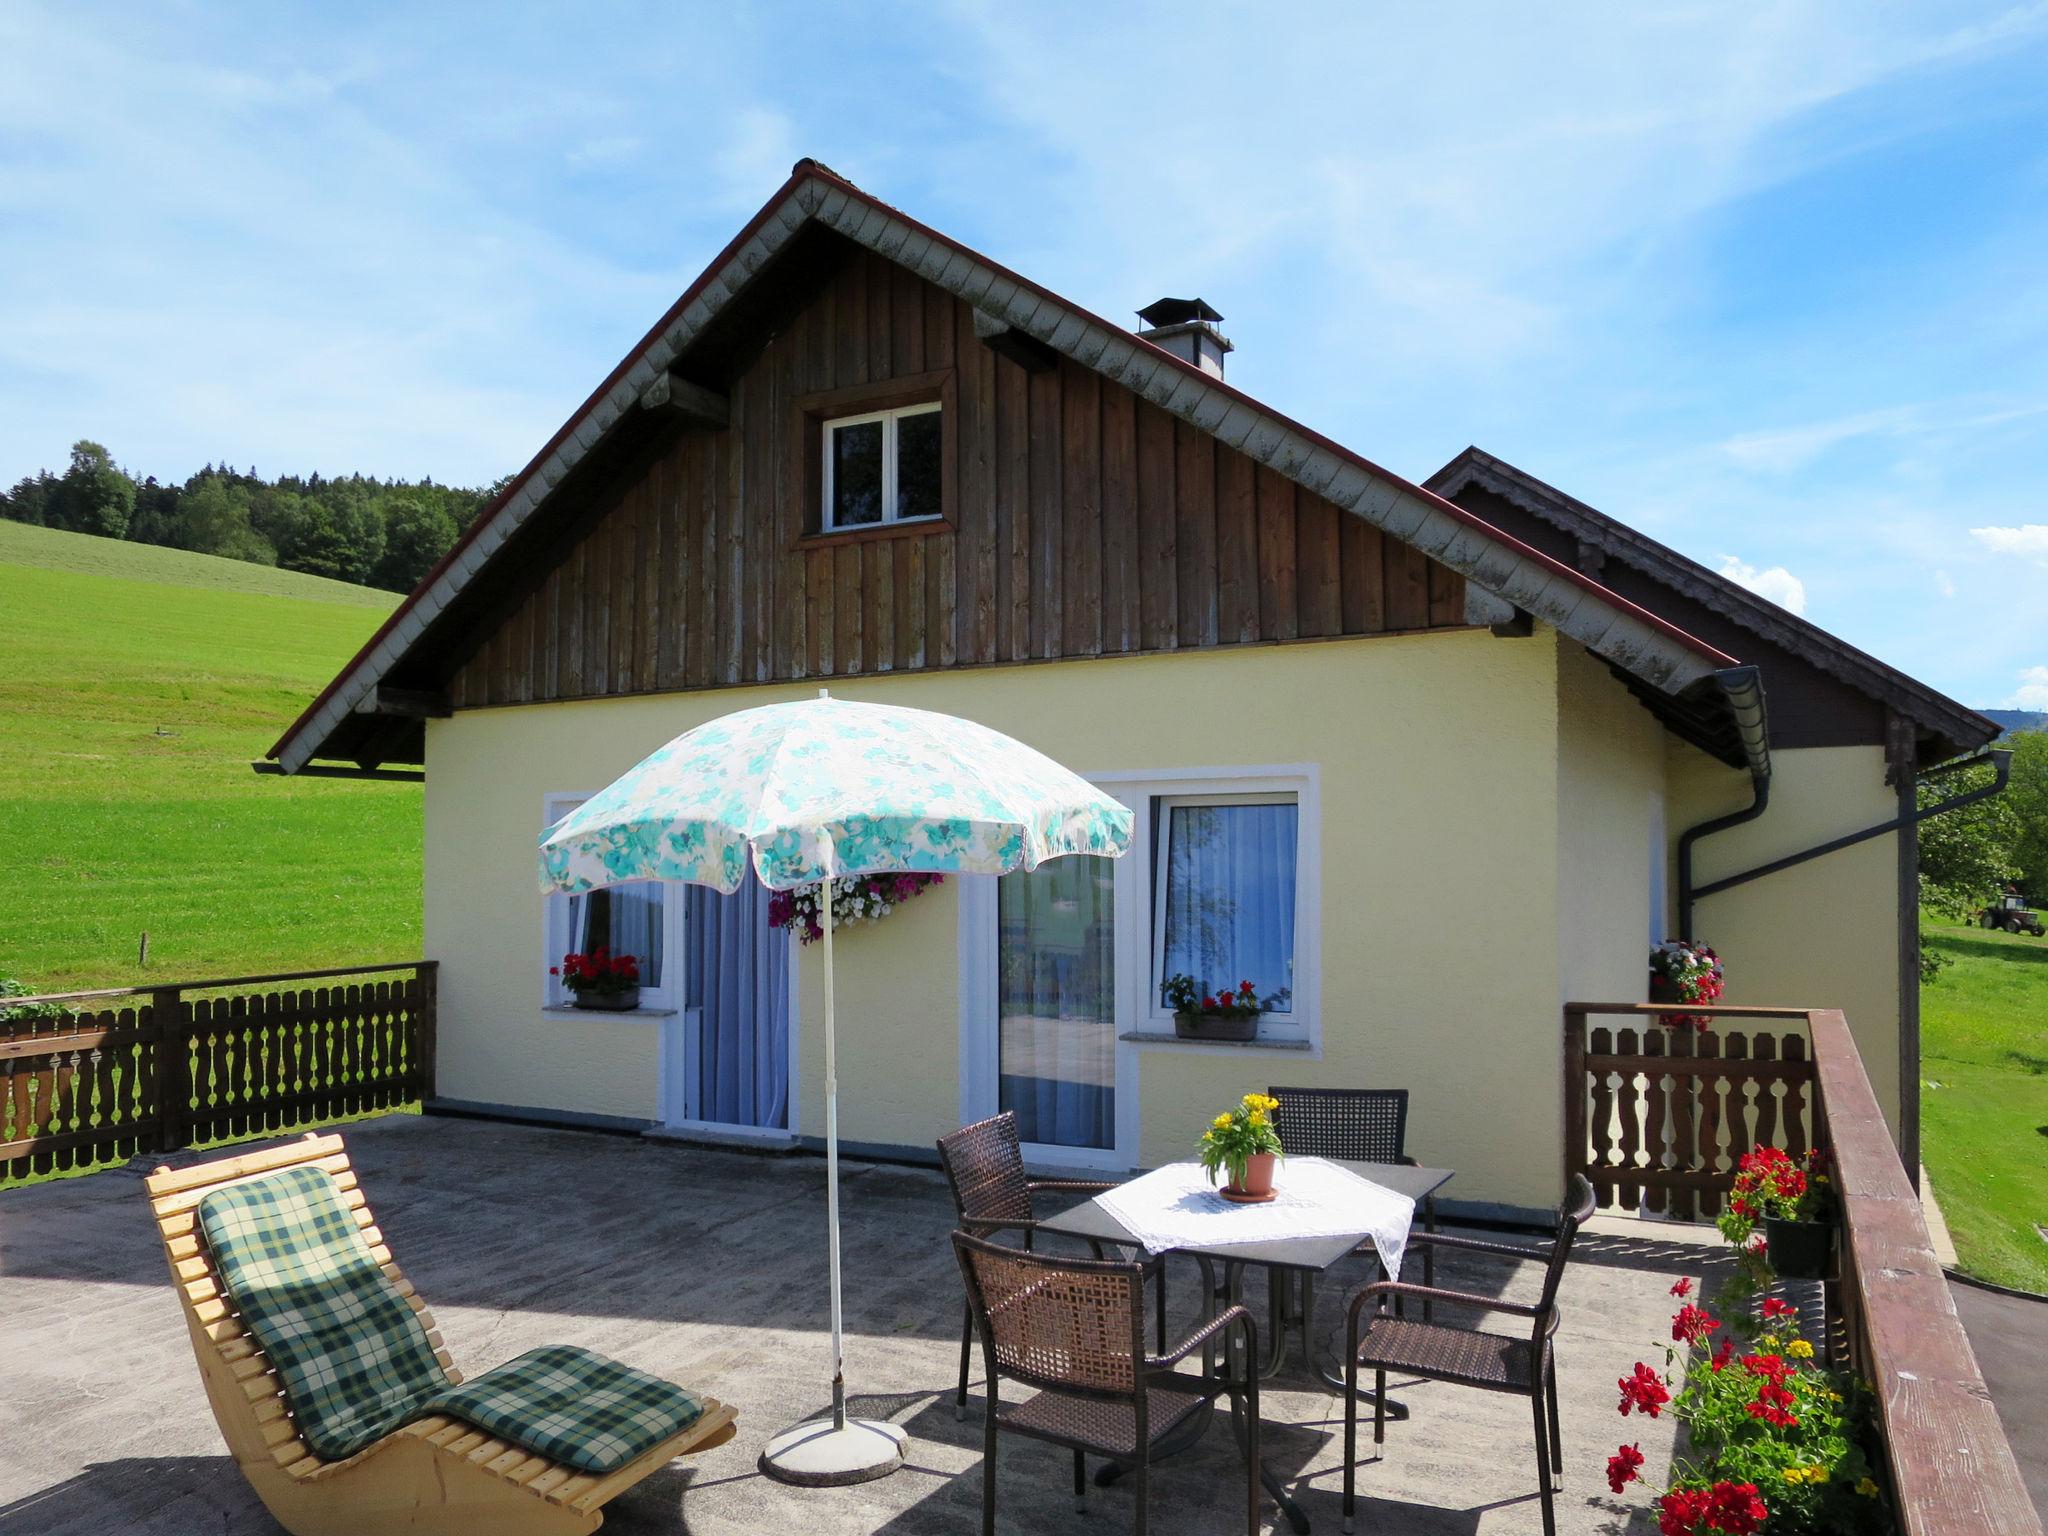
2013 915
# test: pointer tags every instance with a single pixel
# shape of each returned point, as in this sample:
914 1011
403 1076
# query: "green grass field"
1984 1099
138 685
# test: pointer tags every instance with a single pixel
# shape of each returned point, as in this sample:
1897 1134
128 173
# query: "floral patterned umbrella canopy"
831 784
812 791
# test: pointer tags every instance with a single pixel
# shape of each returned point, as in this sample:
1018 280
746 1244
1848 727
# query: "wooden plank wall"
1089 522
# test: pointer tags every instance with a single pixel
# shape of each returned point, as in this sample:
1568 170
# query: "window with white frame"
883 467
633 918
1225 890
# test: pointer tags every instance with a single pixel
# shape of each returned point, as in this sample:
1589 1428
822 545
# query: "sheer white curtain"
623 919
1056 1030
1229 897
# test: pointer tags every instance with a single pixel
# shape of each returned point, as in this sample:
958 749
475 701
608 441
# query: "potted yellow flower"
1243 1142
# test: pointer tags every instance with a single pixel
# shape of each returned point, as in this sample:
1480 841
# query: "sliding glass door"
1055 1025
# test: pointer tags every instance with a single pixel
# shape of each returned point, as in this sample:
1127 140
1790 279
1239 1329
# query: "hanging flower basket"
855 899
1684 972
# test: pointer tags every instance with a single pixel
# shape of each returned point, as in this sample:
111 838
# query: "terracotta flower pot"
1257 1179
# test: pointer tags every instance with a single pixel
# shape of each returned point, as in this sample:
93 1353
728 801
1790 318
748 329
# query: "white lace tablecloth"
1176 1207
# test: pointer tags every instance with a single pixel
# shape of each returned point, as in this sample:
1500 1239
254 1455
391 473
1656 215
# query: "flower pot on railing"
1216 1026
609 1002
1800 1250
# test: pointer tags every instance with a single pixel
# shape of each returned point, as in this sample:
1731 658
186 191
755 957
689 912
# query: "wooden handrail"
1952 1465
214 986
1730 1010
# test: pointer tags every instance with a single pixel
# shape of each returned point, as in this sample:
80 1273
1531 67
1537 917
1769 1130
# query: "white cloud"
1944 583
2032 692
2029 541
1775 583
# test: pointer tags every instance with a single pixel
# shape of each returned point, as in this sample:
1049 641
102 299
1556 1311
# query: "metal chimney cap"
1162 312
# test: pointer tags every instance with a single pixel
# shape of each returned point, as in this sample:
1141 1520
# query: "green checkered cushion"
349 1350
574 1406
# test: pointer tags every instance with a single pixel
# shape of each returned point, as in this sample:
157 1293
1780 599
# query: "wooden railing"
1658 1117
121 1071
1952 1469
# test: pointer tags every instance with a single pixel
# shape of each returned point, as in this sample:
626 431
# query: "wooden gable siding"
1086 522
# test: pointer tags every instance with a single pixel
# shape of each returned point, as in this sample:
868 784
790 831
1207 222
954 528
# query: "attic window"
883 467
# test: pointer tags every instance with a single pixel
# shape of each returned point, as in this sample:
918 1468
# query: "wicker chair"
1471 1357
1075 1330
984 1165
1364 1125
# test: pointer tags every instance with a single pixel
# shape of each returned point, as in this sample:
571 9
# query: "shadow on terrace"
709 1267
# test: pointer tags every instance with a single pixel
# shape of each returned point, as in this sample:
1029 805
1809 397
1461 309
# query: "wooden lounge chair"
436 1474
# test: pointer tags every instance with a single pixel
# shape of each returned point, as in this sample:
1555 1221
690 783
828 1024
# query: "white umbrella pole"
832 1155
829 1452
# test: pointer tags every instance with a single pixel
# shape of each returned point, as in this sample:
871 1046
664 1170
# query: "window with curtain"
629 919
1224 894
1056 1019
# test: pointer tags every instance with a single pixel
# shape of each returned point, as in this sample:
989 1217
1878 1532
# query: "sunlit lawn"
137 687
1984 1099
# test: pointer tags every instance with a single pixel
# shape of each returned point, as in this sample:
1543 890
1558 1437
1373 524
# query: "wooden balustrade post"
1574 1097
172 1018
429 1026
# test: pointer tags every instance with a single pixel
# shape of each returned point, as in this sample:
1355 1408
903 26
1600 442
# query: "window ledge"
901 528
1168 1037
568 1011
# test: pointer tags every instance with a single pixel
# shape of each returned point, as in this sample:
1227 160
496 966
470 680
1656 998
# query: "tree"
94 496
1966 856
340 536
214 520
2028 792
416 534
32 500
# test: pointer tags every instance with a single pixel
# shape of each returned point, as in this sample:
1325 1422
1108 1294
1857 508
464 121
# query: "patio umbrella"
810 792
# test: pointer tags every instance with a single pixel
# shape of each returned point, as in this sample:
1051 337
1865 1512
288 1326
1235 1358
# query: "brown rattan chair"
1471 1357
984 1165
1075 1330
1364 1125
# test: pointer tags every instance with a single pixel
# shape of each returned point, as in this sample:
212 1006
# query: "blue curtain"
737 978
1056 1032
1230 898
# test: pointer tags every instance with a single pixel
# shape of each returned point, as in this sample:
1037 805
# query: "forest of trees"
375 533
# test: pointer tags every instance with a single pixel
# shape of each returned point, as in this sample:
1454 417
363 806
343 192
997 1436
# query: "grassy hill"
139 684
1984 1099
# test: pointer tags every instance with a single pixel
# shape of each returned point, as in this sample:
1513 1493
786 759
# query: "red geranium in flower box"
601 980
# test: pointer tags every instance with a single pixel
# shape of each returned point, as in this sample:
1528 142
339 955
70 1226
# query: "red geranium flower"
1644 1391
1683 1288
1692 1324
1736 1509
1724 1353
1680 1511
1776 1308
1621 1467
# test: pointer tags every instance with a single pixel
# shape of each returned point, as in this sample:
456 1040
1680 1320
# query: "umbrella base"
815 1455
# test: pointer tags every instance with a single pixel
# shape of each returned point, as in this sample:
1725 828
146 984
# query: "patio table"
1305 1256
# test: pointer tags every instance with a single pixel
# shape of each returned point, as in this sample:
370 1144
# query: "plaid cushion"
574 1406
355 1361
350 1352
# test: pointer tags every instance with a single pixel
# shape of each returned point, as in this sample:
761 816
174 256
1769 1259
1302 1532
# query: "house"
1421 763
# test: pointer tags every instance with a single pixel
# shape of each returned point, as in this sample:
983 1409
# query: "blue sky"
1768 282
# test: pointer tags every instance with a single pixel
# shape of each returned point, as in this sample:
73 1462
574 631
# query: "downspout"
1743 690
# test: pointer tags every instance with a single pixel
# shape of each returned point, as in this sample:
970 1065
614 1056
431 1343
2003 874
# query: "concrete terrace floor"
710 1267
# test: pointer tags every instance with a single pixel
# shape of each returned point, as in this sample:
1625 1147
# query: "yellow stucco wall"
1610 794
1823 934
1438 775
1489 809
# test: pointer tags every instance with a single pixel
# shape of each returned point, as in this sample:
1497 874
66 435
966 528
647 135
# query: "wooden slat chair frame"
434 1475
